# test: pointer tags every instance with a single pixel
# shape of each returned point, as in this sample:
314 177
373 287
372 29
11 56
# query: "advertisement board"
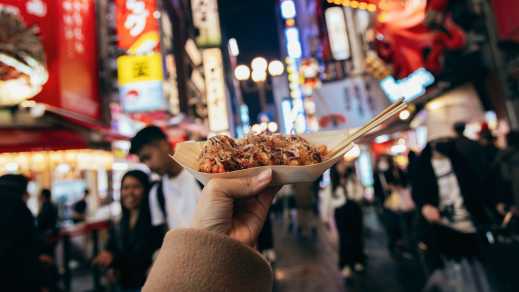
215 89
137 25
207 20
337 33
140 83
348 103
67 31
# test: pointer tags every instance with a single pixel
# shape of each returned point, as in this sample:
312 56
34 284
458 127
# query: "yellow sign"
132 69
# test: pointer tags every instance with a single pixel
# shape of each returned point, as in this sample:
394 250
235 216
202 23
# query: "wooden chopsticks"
379 119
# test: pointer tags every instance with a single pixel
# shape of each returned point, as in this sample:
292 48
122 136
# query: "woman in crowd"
134 240
347 195
390 181
451 199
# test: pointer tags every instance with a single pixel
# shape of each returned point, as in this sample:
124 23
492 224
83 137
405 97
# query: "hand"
104 259
431 214
236 207
501 209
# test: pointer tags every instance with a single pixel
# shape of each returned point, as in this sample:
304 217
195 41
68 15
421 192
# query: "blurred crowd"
436 208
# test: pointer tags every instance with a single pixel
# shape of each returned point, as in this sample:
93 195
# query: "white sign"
206 19
337 33
215 90
351 99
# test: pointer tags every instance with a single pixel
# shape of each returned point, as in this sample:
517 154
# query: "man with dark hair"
19 247
173 200
80 208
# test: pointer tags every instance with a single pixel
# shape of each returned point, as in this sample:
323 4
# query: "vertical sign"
78 58
137 26
67 31
206 19
337 33
215 88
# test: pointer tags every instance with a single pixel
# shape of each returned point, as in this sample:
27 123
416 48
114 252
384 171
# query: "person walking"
47 221
389 183
451 200
173 199
348 194
134 240
20 267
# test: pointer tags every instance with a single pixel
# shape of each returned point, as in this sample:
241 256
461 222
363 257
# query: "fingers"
266 197
241 187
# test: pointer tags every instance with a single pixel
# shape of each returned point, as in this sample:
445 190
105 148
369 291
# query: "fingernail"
264 176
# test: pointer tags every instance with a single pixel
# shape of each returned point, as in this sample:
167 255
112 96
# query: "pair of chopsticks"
378 120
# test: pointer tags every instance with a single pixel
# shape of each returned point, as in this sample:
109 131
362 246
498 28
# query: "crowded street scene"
272 145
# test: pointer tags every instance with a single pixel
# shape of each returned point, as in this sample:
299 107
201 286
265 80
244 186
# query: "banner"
207 20
348 103
140 83
215 88
68 32
337 33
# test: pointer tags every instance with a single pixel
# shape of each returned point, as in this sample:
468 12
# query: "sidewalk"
311 265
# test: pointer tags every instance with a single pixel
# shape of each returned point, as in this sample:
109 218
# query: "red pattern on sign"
134 18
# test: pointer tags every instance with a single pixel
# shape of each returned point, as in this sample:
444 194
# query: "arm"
216 254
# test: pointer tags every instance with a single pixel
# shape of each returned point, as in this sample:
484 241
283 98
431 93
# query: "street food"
223 154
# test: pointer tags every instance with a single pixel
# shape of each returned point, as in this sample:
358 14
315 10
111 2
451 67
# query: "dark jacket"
425 189
20 269
474 155
505 176
133 249
47 219
47 225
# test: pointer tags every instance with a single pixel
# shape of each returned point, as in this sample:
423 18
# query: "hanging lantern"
22 61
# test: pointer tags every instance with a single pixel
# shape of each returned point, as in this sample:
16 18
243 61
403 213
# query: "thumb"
238 188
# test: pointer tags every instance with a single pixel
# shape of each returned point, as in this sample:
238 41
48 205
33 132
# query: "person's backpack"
162 200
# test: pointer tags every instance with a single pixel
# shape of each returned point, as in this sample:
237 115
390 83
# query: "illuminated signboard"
206 19
137 26
288 9
293 112
293 44
215 90
411 87
140 83
337 33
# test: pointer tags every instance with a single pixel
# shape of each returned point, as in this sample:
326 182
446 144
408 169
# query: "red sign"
136 19
67 30
507 18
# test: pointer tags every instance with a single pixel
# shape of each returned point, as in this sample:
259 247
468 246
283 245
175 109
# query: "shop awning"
37 139
57 129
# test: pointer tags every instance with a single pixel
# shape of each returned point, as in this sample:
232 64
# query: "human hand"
236 207
501 209
431 214
104 259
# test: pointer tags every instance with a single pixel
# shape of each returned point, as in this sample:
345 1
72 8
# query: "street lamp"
259 76
276 68
259 64
242 72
